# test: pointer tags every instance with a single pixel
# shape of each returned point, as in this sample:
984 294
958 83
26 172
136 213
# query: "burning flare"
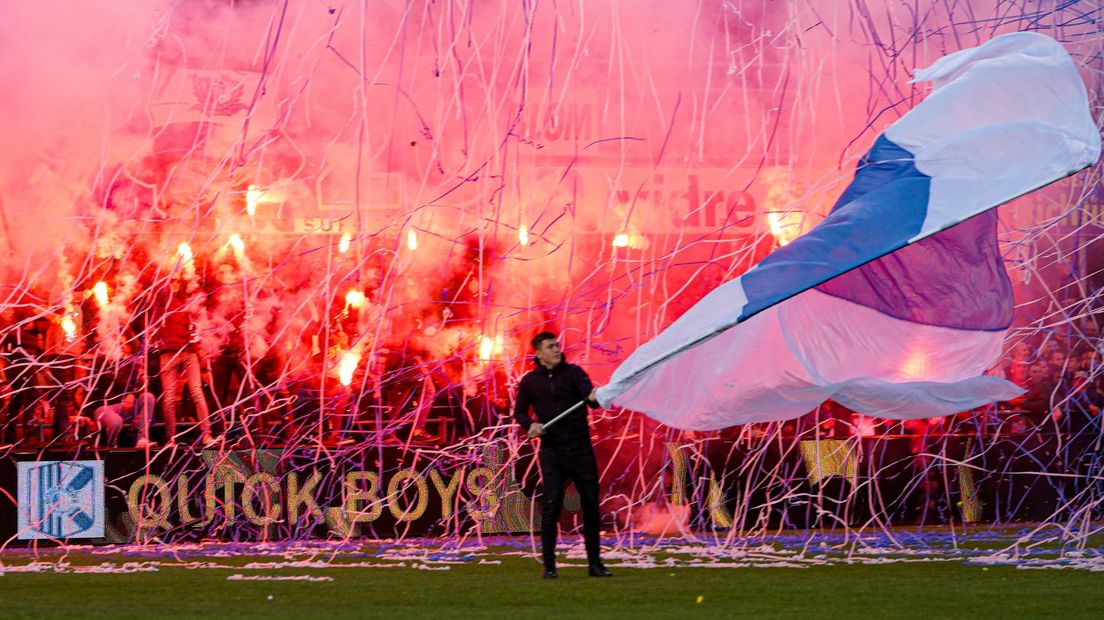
347 367
184 251
99 291
236 242
343 245
252 197
523 235
354 299
69 327
786 226
488 348
411 239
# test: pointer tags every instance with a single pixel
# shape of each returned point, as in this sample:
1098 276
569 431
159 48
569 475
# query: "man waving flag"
898 301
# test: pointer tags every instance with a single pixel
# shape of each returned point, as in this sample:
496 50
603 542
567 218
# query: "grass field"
504 582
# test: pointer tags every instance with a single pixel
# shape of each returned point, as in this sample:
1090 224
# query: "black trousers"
558 465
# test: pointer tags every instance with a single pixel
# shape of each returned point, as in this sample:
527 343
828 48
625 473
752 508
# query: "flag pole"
563 415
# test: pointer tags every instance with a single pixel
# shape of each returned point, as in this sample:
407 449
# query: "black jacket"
1038 400
550 392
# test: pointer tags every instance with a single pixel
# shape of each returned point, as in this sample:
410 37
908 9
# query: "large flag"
898 301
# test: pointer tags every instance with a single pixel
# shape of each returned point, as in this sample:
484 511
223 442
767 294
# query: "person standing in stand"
179 358
553 387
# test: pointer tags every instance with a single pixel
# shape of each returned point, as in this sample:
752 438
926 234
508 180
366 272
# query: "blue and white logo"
61 499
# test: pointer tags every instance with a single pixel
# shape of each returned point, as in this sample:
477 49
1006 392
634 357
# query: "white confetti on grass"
1032 550
67 568
310 578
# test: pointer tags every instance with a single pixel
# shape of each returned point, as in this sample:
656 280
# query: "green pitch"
512 589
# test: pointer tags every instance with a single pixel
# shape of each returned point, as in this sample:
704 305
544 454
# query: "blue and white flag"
898 301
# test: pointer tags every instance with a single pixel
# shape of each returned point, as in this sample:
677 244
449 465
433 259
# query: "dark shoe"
549 573
598 570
